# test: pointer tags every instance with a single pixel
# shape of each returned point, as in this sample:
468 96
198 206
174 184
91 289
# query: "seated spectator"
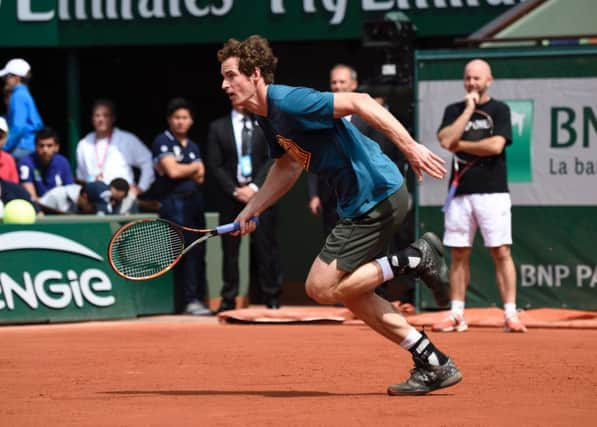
91 198
44 169
8 167
23 118
10 190
109 152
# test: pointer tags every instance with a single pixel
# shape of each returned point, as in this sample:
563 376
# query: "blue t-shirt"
301 122
55 174
165 144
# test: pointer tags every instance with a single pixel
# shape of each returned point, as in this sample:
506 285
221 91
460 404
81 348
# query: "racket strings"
146 249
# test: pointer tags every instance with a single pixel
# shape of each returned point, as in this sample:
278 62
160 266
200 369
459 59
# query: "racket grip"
449 198
233 226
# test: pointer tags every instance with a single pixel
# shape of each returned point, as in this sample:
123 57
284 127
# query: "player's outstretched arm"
281 177
421 159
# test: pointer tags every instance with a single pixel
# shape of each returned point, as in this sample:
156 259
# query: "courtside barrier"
57 271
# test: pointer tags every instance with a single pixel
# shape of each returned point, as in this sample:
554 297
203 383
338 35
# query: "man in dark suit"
238 160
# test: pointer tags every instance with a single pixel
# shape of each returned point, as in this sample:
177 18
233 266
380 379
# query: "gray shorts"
357 241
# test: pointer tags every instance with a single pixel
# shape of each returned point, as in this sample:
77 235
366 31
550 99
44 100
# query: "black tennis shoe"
425 378
432 269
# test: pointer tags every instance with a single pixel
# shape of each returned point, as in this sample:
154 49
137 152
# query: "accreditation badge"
246 169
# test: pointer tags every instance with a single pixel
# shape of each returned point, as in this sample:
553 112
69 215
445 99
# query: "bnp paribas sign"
58 272
552 160
89 22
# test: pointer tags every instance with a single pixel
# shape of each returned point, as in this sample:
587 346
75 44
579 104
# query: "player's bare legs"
433 369
328 285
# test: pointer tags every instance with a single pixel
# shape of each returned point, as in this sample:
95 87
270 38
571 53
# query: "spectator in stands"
45 168
109 152
180 171
23 118
8 167
10 191
6 98
91 198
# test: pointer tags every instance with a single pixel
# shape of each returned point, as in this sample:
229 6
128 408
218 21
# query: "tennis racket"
479 126
148 248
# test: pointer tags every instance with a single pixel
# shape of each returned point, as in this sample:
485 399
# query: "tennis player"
305 130
478 130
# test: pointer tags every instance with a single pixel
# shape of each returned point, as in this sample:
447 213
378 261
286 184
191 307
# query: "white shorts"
490 212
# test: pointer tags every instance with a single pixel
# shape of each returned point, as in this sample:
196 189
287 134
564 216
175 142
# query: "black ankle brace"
425 352
399 261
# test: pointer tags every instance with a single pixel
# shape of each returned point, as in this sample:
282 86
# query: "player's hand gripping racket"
149 248
479 126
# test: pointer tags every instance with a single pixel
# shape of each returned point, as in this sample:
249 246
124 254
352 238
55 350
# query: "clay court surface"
200 373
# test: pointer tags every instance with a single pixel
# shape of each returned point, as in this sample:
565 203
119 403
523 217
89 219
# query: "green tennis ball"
19 211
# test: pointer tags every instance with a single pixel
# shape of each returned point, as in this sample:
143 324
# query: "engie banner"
59 273
552 169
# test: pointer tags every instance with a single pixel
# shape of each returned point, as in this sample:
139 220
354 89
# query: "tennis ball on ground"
19 211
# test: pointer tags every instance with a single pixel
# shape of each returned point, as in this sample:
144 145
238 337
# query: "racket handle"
450 196
233 226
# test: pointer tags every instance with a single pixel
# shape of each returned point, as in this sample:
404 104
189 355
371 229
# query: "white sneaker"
197 308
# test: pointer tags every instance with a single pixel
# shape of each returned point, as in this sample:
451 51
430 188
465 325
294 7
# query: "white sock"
510 310
457 307
386 268
411 339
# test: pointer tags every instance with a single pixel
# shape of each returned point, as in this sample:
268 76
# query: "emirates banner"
552 170
61 23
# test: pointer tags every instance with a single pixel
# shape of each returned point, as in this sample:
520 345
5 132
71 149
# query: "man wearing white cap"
23 118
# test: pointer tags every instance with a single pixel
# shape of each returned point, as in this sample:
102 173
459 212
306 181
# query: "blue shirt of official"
166 144
55 174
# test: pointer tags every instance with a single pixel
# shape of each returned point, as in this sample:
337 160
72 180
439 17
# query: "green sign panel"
555 264
551 170
519 153
59 272
142 22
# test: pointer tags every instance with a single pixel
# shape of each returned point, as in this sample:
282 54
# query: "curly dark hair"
253 52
